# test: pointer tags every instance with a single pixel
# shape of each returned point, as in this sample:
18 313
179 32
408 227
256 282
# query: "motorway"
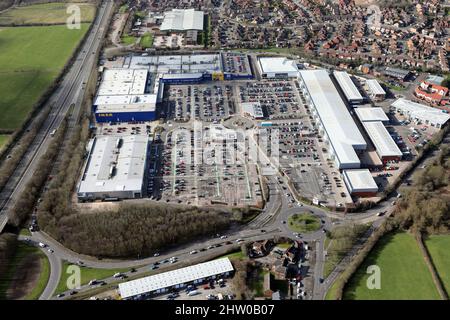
70 92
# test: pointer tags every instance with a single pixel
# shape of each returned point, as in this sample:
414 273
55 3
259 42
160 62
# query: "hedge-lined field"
30 60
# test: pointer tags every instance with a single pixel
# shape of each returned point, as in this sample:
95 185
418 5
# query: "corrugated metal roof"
277 65
342 131
175 277
380 137
421 112
351 92
375 87
129 162
371 114
360 180
182 19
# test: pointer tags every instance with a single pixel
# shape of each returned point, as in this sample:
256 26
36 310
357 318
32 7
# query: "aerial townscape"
224 150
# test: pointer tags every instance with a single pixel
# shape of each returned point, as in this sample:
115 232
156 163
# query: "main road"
69 93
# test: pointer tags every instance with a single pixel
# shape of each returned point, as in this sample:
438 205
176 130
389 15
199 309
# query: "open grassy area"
303 222
128 40
234 255
44 275
87 274
24 262
3 139
46 13
439 249
30 59
404 274
147 40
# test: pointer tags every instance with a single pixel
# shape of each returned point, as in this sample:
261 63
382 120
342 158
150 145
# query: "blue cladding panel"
124 116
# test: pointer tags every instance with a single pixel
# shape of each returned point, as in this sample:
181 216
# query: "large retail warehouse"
333 117
179 278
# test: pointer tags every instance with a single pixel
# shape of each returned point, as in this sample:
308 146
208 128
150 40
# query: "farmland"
404 274
30 60
46 13
438 247
3 139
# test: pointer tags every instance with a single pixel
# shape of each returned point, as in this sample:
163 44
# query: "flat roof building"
376 92
396 73
122 96
114 168
347 86
333 117
371 114
182 20
373 120
419 112
179 278
385 146
277 67
360 182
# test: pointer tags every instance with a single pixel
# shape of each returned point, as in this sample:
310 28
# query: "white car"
42 245
50 250
223 237
156 254
239 240
193 252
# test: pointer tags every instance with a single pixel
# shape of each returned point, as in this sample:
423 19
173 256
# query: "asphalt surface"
69 93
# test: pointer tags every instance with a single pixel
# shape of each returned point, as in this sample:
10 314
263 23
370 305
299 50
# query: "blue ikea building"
125 108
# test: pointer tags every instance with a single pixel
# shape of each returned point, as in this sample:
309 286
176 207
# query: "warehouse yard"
28 66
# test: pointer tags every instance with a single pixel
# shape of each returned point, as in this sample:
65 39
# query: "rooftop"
380 137
350 90
113 168
123 82
277 65
360 179
178 276
182 20
342 131
420 111
375 87
371 114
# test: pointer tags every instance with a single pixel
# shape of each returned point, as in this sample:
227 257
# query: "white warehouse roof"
128 161
360 180
341 130
375 87
175 277
123 82
371 114
351 92
277 65
421 112
182 20
380 137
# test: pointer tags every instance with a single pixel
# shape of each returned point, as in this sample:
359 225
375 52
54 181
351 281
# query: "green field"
147 40
87 274
24 251
30 59
47 13
3 139
404 274
303 222
439 249
128 40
